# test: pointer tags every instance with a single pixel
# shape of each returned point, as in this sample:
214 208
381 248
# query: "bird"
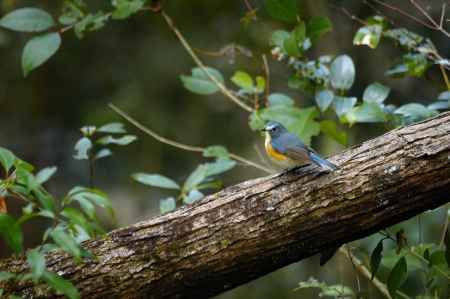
287 149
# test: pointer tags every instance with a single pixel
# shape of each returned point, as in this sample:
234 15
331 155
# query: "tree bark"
250 229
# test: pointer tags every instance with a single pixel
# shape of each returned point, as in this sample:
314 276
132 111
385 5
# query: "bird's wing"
291 146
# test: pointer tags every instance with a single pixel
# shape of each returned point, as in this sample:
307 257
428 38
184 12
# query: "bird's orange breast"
272 152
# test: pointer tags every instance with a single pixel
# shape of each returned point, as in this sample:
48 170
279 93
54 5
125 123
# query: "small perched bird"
287 148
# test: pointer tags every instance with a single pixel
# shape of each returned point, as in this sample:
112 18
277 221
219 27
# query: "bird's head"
274 129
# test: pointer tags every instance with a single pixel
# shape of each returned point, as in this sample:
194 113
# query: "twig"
197 60
180 145
267 75
432 21
366 273
444 231
350 257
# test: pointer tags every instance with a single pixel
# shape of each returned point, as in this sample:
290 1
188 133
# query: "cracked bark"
258 226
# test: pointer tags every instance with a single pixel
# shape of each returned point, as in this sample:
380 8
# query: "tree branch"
248 230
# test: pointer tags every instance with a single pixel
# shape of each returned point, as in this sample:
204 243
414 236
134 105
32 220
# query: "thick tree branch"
258 226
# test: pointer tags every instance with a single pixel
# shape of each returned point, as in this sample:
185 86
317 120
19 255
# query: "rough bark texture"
251 229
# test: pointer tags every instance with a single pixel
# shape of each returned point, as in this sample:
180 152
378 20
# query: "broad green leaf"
200 83
444 96
45 174
61 285
329 128
280 99
216 151
67 243
193 196
36 260
260 84
293 45
219 166
82 148
196 177
439 105
243 80
336 291
7 159
342 72
27 19
376 93
342 105
397 276
6 275
38 50
368 36
375 258
112 128
414 112
414 65
278 38
404 37
124 140
282 10
368 112
76 217
103 153
90 22
318 26
125 8
11 232
155 180
324 98
167 205
95 196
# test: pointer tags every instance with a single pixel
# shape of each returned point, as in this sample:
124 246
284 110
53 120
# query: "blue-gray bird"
285 147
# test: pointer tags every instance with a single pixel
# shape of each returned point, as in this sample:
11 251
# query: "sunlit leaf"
278 38
280 99
36 260
368 35
124 140
243 80
67 242
342 105
193 196
7 159
27 19
376 93
342 72
200 83
45 174
216 151
125 8
367 112
112 128
38 50
103 153
329 128
155 180
219 166
293 45
324 98
82 148
318 26
167 205
415 112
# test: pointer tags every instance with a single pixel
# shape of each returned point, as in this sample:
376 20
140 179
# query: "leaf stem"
182 146
197 60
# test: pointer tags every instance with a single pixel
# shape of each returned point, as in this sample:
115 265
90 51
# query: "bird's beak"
263 130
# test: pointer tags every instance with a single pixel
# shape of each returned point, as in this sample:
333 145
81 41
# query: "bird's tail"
322 162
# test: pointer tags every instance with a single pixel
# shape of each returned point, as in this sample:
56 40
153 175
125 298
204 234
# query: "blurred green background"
136 64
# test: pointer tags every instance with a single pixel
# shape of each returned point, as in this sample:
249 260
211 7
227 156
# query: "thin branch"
444 230
197 60
432 21
267 75
186 147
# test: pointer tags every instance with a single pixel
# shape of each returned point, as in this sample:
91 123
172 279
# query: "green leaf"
90 23
444 96
376 93
219 166
45 174
342 72
318 26
324 98
216 151
196 177
125 8
397 276
368 35
244 81
193 196
94 196
82 148
293 45
368 112
36 260
329 128
7 159
27 20
375 258
11 232
6 275
67 243
77 218
103 153
282 10
155 180
278 38
61 285
280 99
336 291
112 128
342 105
124 140
38 50
439 105
414 112
167 205
447 247
200 83
260 84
